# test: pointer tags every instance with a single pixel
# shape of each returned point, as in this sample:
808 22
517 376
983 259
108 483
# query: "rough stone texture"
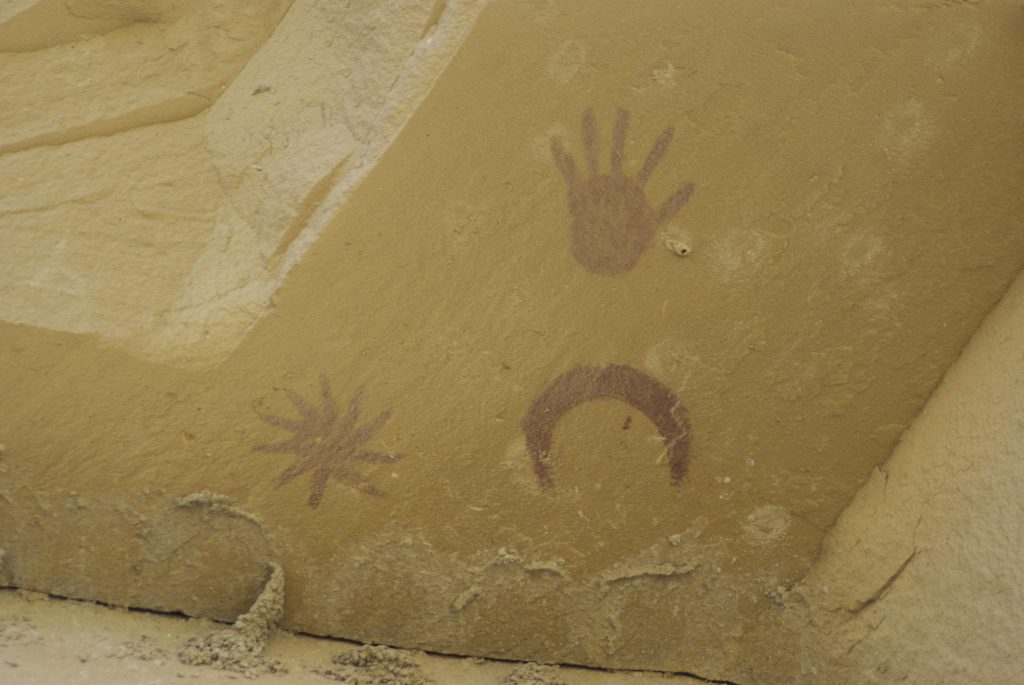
46 641
920 581
171 160
748 350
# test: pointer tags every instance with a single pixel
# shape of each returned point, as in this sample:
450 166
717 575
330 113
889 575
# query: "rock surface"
173 159
46 640
919 581
557 333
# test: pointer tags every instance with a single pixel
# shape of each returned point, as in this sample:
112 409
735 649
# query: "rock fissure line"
129 121
880 592
147 115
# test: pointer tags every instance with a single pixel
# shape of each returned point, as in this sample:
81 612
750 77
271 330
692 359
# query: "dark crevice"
880 592
582 667
332 638
434 18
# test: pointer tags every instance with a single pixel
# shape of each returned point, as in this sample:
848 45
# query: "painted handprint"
612 220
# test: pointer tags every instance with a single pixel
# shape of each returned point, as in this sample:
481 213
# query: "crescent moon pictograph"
583 384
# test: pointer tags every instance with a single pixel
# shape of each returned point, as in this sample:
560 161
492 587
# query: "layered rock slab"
170 161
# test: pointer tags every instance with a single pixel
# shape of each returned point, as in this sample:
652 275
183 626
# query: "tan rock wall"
560 333
919 581
173 159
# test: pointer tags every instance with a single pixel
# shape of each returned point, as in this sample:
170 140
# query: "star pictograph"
327 444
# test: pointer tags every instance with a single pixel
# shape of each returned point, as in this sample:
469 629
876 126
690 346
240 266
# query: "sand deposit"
240 647
534 674
376 665
46 640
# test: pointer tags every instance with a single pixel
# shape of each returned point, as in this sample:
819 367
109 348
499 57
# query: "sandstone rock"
437 331
197 143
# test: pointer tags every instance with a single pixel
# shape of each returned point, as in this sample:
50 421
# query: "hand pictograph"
612 220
